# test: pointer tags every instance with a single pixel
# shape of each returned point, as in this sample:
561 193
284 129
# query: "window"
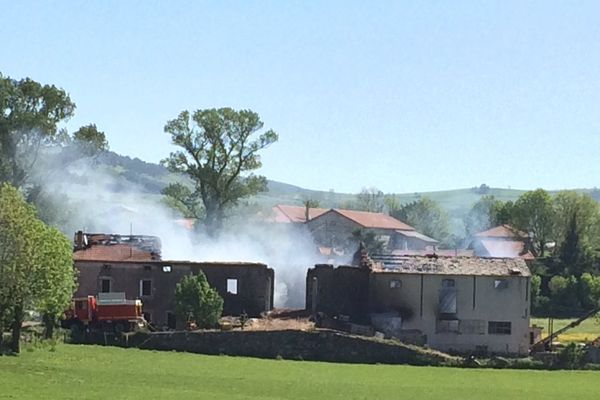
146 287
500 284
171 320
499 328
147 268
166 268
232 286
448 283
395 284
472 326
447 326
105 285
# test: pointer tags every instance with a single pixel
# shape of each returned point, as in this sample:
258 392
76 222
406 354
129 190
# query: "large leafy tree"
30 118
219 149
486 213
196 301
533 213
426 216
576 229
36 266
370 199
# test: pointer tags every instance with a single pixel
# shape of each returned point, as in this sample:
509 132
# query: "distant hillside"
152 178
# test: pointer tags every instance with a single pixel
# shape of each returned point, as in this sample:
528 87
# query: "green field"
89 372
586 332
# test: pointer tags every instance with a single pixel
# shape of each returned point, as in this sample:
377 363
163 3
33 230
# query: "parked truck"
108 312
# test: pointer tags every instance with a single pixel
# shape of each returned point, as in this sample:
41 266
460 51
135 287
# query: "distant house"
502 241
460 304
334 227
295 214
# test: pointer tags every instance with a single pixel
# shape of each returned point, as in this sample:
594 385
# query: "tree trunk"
49 324
1 329
18 315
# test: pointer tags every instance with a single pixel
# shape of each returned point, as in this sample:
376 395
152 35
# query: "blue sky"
404 96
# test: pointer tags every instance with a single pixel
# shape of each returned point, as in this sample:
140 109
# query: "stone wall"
338 291
255 284
320 345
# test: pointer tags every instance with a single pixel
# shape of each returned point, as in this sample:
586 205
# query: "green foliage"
571 357
533 213
218 151
564 299
196 301
36 265
370 199
486 213
589 290
89 140
29 118
427 217
372 243
576 230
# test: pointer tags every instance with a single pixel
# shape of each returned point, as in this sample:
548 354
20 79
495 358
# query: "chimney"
79 240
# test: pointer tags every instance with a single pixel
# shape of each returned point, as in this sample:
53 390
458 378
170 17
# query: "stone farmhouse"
333 228
132 264
456 304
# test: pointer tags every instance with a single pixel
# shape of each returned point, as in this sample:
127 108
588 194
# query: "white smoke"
100 205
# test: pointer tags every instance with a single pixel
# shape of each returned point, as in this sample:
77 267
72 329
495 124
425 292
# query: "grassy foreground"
90 372
586 332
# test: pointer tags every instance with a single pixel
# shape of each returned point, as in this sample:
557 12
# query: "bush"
571 357
196 301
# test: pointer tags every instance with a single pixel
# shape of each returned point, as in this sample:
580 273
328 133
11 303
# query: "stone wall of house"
255 284
338 291
332 230
320 345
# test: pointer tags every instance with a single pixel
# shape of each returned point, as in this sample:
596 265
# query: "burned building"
132 264
461 304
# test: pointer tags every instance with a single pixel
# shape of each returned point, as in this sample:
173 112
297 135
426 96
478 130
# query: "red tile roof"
373 220
116 252
506 248
295 214
502 231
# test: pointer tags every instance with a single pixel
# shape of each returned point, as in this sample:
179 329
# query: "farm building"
132 264
461 304
333 228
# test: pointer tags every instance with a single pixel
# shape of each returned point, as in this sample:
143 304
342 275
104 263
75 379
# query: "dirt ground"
275 320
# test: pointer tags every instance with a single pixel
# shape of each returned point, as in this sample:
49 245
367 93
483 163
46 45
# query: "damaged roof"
115 252
451 265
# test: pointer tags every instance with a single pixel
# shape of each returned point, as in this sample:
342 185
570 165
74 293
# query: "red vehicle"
108 312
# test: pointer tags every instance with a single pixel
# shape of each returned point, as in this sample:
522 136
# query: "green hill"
148 178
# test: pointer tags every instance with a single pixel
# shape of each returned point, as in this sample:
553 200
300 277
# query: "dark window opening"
171 320
499 328
147 268
448 283
448 326
105 286
145 287
500 284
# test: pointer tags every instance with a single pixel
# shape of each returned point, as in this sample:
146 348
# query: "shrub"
196 301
